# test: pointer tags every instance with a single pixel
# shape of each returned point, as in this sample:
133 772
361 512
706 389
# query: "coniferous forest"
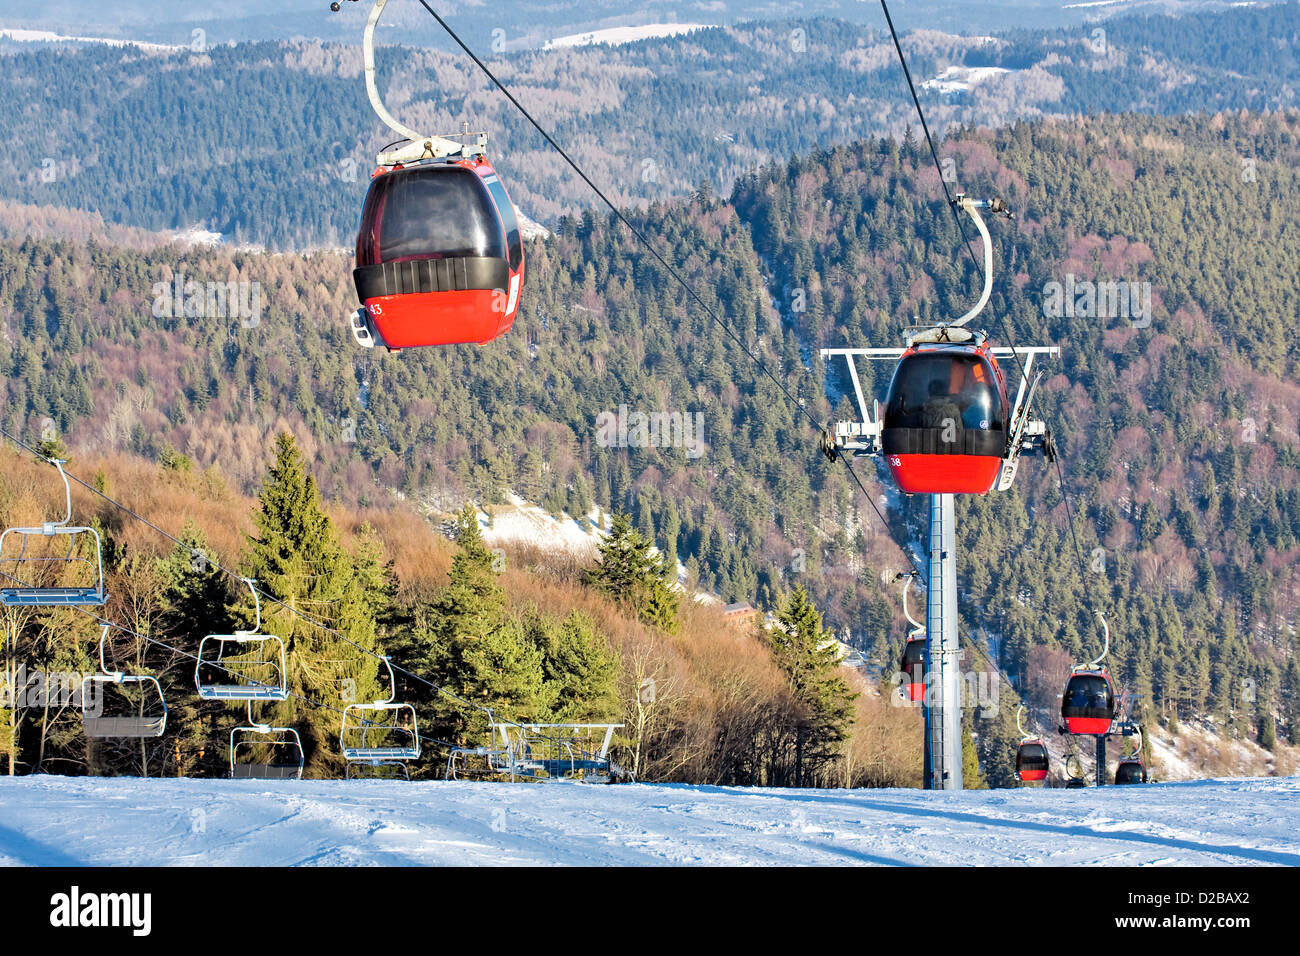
352 484
1178 439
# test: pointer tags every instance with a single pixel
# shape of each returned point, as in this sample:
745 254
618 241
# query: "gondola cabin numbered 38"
945 427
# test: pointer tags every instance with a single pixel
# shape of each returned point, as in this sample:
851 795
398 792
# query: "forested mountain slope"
271 143
1179 437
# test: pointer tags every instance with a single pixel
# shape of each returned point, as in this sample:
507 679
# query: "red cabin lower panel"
945 474
1031 775
1091 726
440 318
916 692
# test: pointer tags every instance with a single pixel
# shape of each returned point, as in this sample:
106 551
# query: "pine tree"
192 604
629 571
195 589
465 642
296 558
809 657
578 666
1291 696
672 528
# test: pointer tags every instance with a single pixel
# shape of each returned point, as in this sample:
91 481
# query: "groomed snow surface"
67 821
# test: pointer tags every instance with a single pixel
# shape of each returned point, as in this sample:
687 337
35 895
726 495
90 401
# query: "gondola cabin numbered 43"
949 426
945 428
440 260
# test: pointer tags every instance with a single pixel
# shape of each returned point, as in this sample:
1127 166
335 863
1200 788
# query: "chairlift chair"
392 734
377 770
100 724
39 594
219 675
282 741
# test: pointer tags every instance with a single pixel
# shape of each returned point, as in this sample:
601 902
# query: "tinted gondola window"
931 389
429 212
1031 756
1088 692
514 241
1130 771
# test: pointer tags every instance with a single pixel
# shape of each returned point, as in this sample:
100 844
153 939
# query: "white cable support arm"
1105 650
422 146
972 209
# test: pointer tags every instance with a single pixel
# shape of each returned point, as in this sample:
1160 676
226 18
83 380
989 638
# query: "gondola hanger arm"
972 207
917 627
421 145
1106 649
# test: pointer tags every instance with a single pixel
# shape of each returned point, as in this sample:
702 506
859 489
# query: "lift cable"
306 618
961 225
105 622
663 261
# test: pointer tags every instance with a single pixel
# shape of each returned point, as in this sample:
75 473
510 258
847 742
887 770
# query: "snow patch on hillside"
617 35
519 523
531 229
198 237
47 36
962 79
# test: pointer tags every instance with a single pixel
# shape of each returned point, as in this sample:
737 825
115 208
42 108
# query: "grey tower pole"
943 690
927 762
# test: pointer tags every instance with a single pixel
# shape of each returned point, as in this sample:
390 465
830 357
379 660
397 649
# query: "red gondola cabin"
1032 762
440 259
945 427
1088 704
913 665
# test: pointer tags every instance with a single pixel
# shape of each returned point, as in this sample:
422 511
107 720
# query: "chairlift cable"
269 597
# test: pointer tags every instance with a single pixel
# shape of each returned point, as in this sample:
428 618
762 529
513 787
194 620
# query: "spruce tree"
808 655
465 642
629 571
578 666
296 558
192 603
1291 696
195 589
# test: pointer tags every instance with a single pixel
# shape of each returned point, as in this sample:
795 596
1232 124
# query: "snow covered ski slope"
62 821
